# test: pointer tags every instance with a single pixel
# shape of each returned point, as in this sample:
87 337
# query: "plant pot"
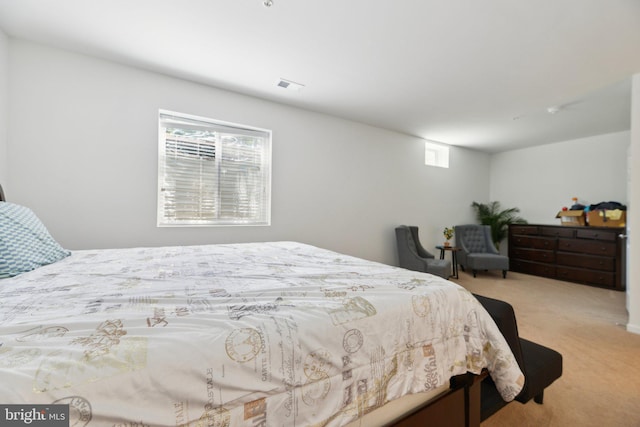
447 243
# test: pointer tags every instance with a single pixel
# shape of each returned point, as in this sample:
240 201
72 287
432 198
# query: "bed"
253 334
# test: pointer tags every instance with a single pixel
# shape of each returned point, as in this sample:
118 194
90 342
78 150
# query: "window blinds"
212 173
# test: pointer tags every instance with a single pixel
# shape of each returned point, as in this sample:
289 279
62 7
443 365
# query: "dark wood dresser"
588 255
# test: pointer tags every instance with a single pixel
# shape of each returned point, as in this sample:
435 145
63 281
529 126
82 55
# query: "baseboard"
633 328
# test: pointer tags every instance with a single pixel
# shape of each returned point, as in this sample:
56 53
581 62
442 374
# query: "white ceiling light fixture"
554 109
267 3
289 85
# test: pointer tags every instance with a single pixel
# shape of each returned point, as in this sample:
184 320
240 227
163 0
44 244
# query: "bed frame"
458 407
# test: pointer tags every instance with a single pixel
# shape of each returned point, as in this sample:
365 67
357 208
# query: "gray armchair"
477 249
413 256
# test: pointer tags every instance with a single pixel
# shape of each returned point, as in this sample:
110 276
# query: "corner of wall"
634 329
633 268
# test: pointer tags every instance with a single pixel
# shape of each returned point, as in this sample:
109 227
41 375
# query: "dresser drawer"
586 261
597 234
533 255
556 231
524 229
534 242
537 269
594 247
591 277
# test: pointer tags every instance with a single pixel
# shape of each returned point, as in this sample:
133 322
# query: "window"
212 172
436 155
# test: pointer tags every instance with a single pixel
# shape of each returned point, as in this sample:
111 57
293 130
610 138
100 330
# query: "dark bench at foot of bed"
541 365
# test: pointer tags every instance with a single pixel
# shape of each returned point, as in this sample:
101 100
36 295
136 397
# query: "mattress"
277 334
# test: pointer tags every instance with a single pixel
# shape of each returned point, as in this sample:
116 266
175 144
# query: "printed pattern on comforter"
277 334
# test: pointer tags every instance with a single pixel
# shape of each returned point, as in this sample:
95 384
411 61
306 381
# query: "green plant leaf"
498 220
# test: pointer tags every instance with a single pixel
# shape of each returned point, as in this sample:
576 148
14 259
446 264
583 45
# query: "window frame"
263 218
436 154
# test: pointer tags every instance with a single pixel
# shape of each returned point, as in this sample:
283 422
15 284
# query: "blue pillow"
25 243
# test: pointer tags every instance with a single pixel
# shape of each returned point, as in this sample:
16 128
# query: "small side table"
454 257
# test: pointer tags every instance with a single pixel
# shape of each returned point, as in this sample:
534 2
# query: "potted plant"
490 214
448 234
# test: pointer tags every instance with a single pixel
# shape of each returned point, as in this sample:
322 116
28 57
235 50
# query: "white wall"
4 105
83 146
633 280
541 180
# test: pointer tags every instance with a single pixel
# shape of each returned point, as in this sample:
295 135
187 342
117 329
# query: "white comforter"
277 334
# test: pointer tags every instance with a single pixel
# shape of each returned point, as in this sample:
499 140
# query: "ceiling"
477 74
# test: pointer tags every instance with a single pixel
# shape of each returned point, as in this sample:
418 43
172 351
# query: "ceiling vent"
287 84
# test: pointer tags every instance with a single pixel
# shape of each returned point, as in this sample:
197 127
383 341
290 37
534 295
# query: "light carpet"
600 384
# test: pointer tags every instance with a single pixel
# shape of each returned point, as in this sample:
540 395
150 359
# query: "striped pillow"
25 243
